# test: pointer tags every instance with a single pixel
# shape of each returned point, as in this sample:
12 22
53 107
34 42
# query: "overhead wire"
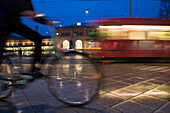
126 8
98 4
137 7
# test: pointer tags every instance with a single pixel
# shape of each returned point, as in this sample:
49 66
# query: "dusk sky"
69 12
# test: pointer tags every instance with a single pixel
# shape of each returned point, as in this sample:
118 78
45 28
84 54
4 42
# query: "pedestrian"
71 44
20 53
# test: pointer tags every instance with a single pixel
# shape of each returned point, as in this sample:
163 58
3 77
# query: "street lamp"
78 23
57 34
87 11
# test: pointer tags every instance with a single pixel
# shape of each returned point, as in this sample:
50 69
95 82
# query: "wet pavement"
125 88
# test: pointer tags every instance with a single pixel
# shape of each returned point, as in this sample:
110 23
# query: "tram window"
133 34
113 34
159 35
137 36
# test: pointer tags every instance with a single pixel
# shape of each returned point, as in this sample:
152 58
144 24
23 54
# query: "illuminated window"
66 44
137 35
113 34
159 35
79 44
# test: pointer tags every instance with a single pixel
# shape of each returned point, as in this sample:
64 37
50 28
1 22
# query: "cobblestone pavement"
125 88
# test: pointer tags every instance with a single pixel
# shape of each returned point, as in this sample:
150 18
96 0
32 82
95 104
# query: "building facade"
75 37
71 37
16 43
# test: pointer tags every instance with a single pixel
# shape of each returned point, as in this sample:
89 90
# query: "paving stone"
36 94
82 110
158 111
17 97
165 88
113 86
24 108
166 108
59 110
150 101
125 93
109 99
132 107
142 87
154 81
95 105
44 104
109 88
158 94
132 81
109 110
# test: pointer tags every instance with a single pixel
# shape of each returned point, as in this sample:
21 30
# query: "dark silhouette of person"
20 53
10 13
71 44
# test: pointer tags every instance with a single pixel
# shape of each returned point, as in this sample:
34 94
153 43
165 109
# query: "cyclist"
10 13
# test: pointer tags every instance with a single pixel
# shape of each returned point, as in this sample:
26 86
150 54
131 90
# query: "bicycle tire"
5 86
73 78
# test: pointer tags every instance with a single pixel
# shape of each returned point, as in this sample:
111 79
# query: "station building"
76 36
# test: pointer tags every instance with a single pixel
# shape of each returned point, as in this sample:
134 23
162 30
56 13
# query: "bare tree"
164 11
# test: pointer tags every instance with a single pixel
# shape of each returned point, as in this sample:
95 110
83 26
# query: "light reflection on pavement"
125 87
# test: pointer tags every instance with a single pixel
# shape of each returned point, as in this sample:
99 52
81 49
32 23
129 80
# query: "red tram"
132 37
